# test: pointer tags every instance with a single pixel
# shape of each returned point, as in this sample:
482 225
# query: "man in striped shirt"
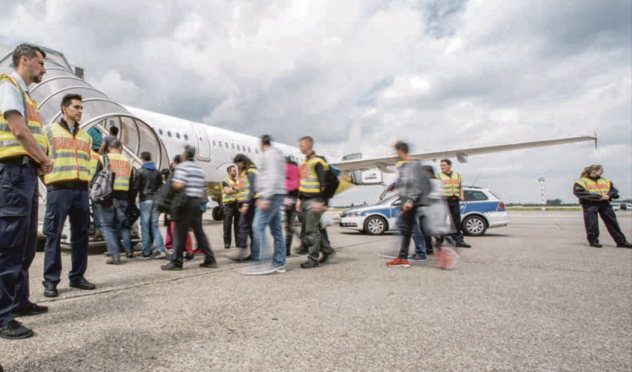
190 179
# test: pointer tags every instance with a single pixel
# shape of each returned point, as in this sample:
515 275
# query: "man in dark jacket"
150 180
413 191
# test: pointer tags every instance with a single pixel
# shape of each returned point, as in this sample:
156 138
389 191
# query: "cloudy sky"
440 74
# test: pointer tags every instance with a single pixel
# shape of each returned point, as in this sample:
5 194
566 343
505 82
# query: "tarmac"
532 296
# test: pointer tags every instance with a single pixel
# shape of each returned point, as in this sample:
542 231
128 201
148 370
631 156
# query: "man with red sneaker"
413 190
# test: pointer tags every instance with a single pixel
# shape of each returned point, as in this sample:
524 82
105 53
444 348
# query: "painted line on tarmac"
210 272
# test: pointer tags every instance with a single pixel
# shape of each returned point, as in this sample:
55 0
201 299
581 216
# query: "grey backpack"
102 187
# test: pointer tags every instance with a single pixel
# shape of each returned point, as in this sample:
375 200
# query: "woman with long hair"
246 199
595 194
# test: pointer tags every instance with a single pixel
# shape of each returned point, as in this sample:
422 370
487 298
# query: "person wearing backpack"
112 209
314 193
67 196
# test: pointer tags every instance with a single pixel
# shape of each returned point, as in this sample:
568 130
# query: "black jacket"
149 181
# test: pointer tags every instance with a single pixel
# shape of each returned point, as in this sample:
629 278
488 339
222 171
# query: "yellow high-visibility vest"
70 155
9 146
601 187
229 198
244 184
309 178
94 160
122 168
451 184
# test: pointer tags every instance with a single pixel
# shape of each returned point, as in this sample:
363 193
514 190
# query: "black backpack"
331 181
170 201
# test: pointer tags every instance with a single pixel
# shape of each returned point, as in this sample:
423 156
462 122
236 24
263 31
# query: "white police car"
480 211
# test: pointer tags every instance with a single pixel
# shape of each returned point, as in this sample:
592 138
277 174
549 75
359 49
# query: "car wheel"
375 225
474 225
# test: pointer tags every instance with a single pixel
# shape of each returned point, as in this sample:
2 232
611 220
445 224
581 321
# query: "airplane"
164 136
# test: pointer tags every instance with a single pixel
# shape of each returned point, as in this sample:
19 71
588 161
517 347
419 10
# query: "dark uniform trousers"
290 218
316 237
18 235
59 205
592 211
245 227
455 213
231 222
190 219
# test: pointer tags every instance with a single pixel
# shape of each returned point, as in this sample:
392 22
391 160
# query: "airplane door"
203 144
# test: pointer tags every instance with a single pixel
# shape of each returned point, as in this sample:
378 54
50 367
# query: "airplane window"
160 131
249 149
169 133
178 135
215 144
238 148
233 145
220 144
257 151
186 137
226 143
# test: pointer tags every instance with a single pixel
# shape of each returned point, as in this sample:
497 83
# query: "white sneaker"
160 255
280 269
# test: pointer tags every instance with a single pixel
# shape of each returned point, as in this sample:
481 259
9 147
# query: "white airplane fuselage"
216 147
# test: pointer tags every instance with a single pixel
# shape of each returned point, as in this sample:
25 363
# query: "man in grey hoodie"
271 190
413 192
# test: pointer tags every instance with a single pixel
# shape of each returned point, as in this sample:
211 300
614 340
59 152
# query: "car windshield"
388 200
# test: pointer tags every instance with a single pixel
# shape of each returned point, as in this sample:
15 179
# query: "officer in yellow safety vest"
231 209
67 195
453 195
312 204
246 201
595 193
112 221
23 148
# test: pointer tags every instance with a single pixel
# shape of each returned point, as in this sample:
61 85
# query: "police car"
480 211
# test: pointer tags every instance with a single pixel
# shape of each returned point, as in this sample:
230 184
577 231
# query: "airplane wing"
461 155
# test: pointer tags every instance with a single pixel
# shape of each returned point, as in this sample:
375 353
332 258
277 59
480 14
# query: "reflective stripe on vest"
244 184
451 184
9 146
229 198
94 160
70 155
601 187
122 168
309 178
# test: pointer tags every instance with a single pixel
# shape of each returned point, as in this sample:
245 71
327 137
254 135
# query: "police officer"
67 195
595 193
246 199
231 210
23 148
112 215
312 204
453 195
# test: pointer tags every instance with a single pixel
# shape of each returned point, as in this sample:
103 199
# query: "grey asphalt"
529 297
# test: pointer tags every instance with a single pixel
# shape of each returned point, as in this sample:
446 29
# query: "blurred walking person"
412 194
292 183
312 203
271 191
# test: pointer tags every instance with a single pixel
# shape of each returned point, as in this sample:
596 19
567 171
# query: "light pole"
542 181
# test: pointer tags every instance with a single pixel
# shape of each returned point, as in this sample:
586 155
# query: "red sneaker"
398 263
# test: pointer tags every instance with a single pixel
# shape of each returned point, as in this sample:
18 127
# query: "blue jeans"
149 223
113 230
418 239
270 217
